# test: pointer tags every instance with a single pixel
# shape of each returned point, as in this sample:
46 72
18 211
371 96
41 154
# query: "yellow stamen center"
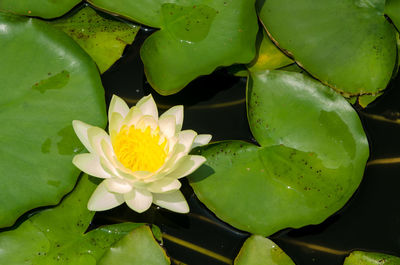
140 150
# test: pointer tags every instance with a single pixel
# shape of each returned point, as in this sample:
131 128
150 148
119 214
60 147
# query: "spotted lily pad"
56 236
348 45
371 258
258 250
48 81
311 159
103 39
196 36
136 248
38 8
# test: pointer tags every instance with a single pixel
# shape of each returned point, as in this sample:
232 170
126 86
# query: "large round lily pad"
348 45
38 8
195 37
311 160
47 81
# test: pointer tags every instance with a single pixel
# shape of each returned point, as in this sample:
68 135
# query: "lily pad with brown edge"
195 37
258 250
102 38
370 258
38 8
311 159
57 236
47 81
348 45
136 248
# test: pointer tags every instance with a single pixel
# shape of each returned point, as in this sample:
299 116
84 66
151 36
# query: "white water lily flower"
142 159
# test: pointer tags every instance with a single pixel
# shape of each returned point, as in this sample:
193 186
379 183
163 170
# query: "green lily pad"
370 258
49 82
56 236
103 39
348 45
38 8
137 248
269 57
258 250
295 178
196 37
392 9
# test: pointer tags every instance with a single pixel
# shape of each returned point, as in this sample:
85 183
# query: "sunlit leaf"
47 81
103 39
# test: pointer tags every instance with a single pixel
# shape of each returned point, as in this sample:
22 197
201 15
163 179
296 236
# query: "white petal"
201 139
167 125
186 139
90 164
181 148
118 185
116 121
81 130
164 185
139 200
117 104
176 111
96 135
148 107
171 144
103 200
141 174
133 116
147 121
187 166
172 201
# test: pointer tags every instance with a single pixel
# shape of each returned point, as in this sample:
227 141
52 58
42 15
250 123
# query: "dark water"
215 104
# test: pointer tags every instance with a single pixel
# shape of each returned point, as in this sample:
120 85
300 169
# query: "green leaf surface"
370 258
348 45
295 178
392 9
103 39
47 81
258 250
56 236
38 8
196 37
269 57
365 100
273 100
137 248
